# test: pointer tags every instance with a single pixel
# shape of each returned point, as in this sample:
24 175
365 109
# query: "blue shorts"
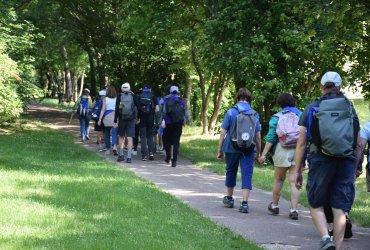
330 181
246 168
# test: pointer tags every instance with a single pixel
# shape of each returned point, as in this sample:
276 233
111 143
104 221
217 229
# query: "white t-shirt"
110 103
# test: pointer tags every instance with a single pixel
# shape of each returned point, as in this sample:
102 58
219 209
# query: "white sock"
292 210
326 236
274 206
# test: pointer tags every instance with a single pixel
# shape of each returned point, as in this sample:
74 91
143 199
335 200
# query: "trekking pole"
70 119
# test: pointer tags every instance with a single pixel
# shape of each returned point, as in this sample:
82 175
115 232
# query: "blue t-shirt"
229 121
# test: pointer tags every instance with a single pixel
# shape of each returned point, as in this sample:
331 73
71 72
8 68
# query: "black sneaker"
275 210
173 164
128 160
144 158
121 158
293 215
228 201
151 157
244 208
327 244
167 160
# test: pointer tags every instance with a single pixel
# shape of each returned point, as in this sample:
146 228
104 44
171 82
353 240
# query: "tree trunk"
217 101
188 89
82 82
67 75
90 53
202 87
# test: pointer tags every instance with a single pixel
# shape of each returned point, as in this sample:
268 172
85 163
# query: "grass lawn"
202 151
55 194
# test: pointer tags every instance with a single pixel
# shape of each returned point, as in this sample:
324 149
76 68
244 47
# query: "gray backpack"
333 127
127 106
243 134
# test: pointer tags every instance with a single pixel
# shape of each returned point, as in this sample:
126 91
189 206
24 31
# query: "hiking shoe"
103 149
128 160
115 152
293 215
228 201
167 160
134 152
328 244
173 164
121 158
144 158
348 230
151 157
244 208
275 210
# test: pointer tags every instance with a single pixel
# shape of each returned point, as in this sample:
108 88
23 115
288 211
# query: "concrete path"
203 191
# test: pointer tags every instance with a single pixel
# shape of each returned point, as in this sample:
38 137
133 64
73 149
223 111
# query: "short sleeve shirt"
365 132
228 123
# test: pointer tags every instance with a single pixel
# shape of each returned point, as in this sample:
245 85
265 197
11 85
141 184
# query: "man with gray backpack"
330 125
125 118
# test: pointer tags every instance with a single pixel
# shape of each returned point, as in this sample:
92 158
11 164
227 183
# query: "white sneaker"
134 152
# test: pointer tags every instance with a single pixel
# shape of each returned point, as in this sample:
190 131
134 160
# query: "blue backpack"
83 107
97 109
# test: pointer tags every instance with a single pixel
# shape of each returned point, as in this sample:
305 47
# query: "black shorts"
126 128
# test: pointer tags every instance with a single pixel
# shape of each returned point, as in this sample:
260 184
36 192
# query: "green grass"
52 102
202 151
55 194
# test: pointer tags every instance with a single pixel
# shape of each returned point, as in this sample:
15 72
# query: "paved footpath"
203 191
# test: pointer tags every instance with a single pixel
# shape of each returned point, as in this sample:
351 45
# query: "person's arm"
361 143
266 149
102 112
299 156
116 110
258 144
220 154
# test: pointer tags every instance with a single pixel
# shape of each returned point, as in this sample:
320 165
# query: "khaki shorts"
283 157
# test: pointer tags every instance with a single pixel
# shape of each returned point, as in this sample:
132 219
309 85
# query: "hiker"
97 107
125 118
147 107
283 135
83 105
330 125
106 119
172 123
235 153
363 139
158 130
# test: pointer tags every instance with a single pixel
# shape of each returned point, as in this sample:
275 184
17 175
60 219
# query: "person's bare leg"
245 192
319 220
230 191
279 178
129 147
339 226
294 197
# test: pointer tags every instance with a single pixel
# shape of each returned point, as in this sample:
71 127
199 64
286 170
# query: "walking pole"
70 119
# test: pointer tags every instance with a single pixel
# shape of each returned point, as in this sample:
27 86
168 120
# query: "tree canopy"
210 48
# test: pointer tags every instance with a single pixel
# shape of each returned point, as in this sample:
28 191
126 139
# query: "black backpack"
146 106
175 110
